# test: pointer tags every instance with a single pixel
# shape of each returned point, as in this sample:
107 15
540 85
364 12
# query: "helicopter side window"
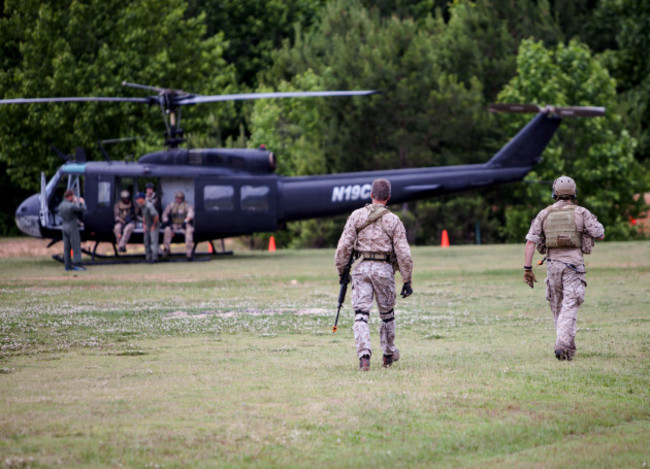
104 193
219 197
255 198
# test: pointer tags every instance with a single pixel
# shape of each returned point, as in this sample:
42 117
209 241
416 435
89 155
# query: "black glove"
184 225
406 290
341 279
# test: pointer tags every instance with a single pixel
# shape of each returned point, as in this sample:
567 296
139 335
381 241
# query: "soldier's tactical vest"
560 228
126 210
179 212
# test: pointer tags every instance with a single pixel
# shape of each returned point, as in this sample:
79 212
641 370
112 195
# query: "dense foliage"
440 64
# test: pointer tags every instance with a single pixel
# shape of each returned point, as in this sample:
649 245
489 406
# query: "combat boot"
390 359
364 363
563 355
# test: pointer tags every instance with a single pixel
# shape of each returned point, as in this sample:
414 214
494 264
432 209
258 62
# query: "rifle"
345 279
345 276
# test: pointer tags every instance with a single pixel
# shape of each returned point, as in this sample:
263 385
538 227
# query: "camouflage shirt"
380 237
178 212
585 222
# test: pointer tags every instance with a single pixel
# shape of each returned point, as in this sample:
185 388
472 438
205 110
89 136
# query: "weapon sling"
345 276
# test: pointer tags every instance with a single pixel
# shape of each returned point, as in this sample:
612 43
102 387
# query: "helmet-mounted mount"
564 186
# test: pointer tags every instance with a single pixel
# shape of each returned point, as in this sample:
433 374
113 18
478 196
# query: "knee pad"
361 316
388 316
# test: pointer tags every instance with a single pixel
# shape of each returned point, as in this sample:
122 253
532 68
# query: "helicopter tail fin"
526 148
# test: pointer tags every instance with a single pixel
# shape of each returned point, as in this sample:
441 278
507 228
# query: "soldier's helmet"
564 186
180 195
140 195
149 185
125 194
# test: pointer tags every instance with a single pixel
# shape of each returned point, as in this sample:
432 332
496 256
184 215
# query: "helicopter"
235 191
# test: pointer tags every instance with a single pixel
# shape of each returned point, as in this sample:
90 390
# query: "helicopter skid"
102 259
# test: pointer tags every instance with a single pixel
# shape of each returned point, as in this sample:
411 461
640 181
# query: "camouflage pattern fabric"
565 292
178 213
586 222
380 237
565 274
122 210
122 230
188 231
374 280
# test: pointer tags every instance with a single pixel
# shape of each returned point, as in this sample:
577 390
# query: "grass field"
232 363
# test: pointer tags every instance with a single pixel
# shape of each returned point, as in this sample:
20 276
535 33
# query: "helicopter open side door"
44 214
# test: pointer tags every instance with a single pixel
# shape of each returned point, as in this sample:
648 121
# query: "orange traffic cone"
272 244
445 239
210 250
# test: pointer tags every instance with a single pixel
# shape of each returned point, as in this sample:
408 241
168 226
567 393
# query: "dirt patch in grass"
27 247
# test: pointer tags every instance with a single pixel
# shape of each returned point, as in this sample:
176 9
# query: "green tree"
423 118
76 48
597 152
481 39
420 120
629 64
254 29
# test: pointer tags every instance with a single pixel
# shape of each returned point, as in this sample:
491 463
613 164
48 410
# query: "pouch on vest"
560 229
587 243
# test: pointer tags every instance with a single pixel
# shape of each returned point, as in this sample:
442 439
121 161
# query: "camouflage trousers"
188 231
373 280
123 233
565 292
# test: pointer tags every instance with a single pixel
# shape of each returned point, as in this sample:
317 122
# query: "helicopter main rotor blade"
560 111
197 99
72 100
496 107
577 111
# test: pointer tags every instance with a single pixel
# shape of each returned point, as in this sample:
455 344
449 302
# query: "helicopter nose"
27 218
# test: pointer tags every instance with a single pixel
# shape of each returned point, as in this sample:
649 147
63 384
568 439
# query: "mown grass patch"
232 363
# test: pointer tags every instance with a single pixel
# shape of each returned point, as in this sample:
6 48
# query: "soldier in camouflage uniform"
378 237
179 216
68 210
124 214
150 220
563 231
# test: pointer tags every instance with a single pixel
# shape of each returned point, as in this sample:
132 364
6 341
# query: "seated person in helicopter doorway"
124 214
178 216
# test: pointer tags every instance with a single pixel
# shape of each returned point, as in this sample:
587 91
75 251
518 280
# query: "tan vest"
125 210
179 212
560 228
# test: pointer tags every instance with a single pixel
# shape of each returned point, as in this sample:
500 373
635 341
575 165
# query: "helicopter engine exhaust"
251 160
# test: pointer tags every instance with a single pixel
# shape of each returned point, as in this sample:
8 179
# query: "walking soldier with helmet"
563 232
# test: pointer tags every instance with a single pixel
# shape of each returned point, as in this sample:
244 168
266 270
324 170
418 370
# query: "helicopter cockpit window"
218 197
255 198
104 193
